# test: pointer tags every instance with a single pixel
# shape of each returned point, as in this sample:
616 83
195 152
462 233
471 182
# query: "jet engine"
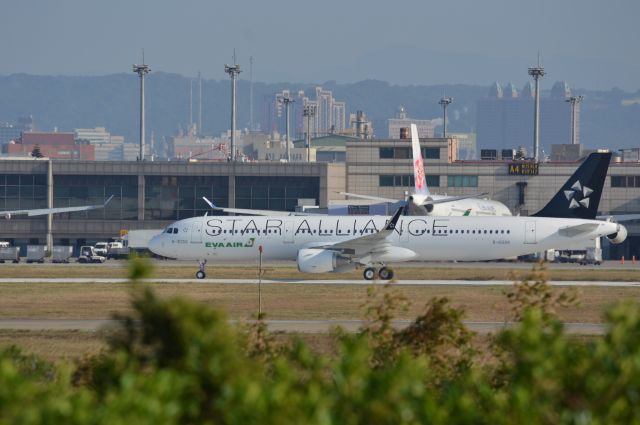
314 260
7 216
420 206
619 236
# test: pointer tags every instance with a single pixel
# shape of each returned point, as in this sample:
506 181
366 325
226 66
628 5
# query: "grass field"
280 300
172 270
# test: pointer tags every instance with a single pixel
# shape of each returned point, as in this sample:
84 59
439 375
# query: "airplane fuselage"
228 239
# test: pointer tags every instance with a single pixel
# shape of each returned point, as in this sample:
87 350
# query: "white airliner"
322 244
423 202
45 211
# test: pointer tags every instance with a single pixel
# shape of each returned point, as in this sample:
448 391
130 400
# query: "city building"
360 126
107 147
426 128
329 116
504 119
331 148
52 145
186 146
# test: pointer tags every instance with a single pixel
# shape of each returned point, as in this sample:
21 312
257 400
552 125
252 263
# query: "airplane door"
196 232
288 231
530 232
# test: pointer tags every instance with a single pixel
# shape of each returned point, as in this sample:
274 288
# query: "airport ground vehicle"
88 255
36 253
101 248
10 253
61 253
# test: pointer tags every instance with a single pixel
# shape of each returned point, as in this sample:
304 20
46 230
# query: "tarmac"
303 326
360 282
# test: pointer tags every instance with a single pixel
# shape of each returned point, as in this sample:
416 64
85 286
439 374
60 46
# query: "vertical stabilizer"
580 195
418 166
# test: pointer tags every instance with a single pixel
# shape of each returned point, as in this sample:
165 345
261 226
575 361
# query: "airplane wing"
368 244
246 211
454 198
578 229
369 197
45 211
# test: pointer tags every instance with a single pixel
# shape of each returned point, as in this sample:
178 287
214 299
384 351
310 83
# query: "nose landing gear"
200 274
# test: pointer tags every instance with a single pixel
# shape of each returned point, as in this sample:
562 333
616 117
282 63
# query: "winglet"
211 204
391 225
107 201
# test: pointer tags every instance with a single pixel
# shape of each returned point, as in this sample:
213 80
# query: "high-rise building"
504 119
426 128
330 114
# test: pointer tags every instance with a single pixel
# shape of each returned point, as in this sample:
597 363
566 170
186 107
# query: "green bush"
174 361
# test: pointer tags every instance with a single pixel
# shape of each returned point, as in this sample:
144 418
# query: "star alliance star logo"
578 196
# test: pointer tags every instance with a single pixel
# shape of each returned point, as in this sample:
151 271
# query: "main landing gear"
384 273
200 274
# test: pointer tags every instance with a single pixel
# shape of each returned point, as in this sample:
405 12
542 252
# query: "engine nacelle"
417 203
428 205
7 216
315 260
619 236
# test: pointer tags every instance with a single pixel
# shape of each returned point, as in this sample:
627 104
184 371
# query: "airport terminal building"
150 195
147 195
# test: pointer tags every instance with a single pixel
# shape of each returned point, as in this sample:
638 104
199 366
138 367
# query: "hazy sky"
591 44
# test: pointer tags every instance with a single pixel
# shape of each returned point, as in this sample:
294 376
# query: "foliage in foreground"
176 361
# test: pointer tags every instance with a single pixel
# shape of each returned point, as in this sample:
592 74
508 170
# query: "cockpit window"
169 230
175 230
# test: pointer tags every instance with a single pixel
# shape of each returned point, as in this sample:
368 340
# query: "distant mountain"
609 118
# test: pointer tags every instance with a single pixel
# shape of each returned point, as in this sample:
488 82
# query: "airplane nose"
156 245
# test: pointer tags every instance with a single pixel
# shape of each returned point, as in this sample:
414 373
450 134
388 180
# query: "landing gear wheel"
200 274
385 273
369 273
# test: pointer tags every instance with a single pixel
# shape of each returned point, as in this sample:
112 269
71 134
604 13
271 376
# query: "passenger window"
508 231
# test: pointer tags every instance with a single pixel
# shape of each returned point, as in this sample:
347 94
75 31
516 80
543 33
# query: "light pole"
309 111
287 100
536 72
141 70
574 101
233 71
445 101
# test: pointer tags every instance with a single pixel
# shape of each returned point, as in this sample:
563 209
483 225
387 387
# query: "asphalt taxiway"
90 280
303 326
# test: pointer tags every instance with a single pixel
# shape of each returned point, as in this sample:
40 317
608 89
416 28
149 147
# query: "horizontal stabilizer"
454 198
578 229
368 197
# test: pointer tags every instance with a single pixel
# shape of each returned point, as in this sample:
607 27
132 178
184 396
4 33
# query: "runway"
304 326
318 282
